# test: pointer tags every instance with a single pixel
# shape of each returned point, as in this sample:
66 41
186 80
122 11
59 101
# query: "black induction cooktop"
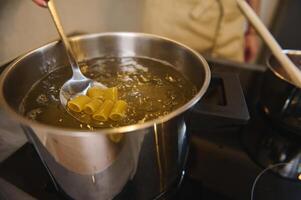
221 164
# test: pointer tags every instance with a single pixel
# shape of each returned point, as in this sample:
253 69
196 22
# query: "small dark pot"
280 98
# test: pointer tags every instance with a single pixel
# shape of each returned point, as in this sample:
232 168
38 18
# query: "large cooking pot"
86 164
284 109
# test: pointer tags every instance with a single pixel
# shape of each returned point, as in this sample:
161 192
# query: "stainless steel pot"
86 164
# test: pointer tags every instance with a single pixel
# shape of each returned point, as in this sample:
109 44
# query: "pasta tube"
111 94
96 93
102 114
116 137
91 107
118 111
77 104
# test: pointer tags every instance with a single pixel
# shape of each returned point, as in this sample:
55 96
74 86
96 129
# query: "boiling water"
150 87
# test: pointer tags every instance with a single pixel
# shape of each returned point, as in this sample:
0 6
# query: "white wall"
25 26
267 9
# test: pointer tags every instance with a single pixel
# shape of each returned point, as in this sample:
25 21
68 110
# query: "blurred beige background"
25 26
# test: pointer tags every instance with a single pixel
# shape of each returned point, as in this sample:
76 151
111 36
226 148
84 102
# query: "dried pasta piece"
116 138
77 104
102 114
111 94
118 111
91 107
96 93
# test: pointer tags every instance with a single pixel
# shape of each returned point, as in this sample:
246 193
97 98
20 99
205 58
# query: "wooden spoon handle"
288 66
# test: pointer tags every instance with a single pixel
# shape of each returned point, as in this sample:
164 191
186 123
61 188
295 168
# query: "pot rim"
287 52
123 129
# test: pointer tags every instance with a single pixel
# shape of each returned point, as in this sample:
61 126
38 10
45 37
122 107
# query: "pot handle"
223 104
